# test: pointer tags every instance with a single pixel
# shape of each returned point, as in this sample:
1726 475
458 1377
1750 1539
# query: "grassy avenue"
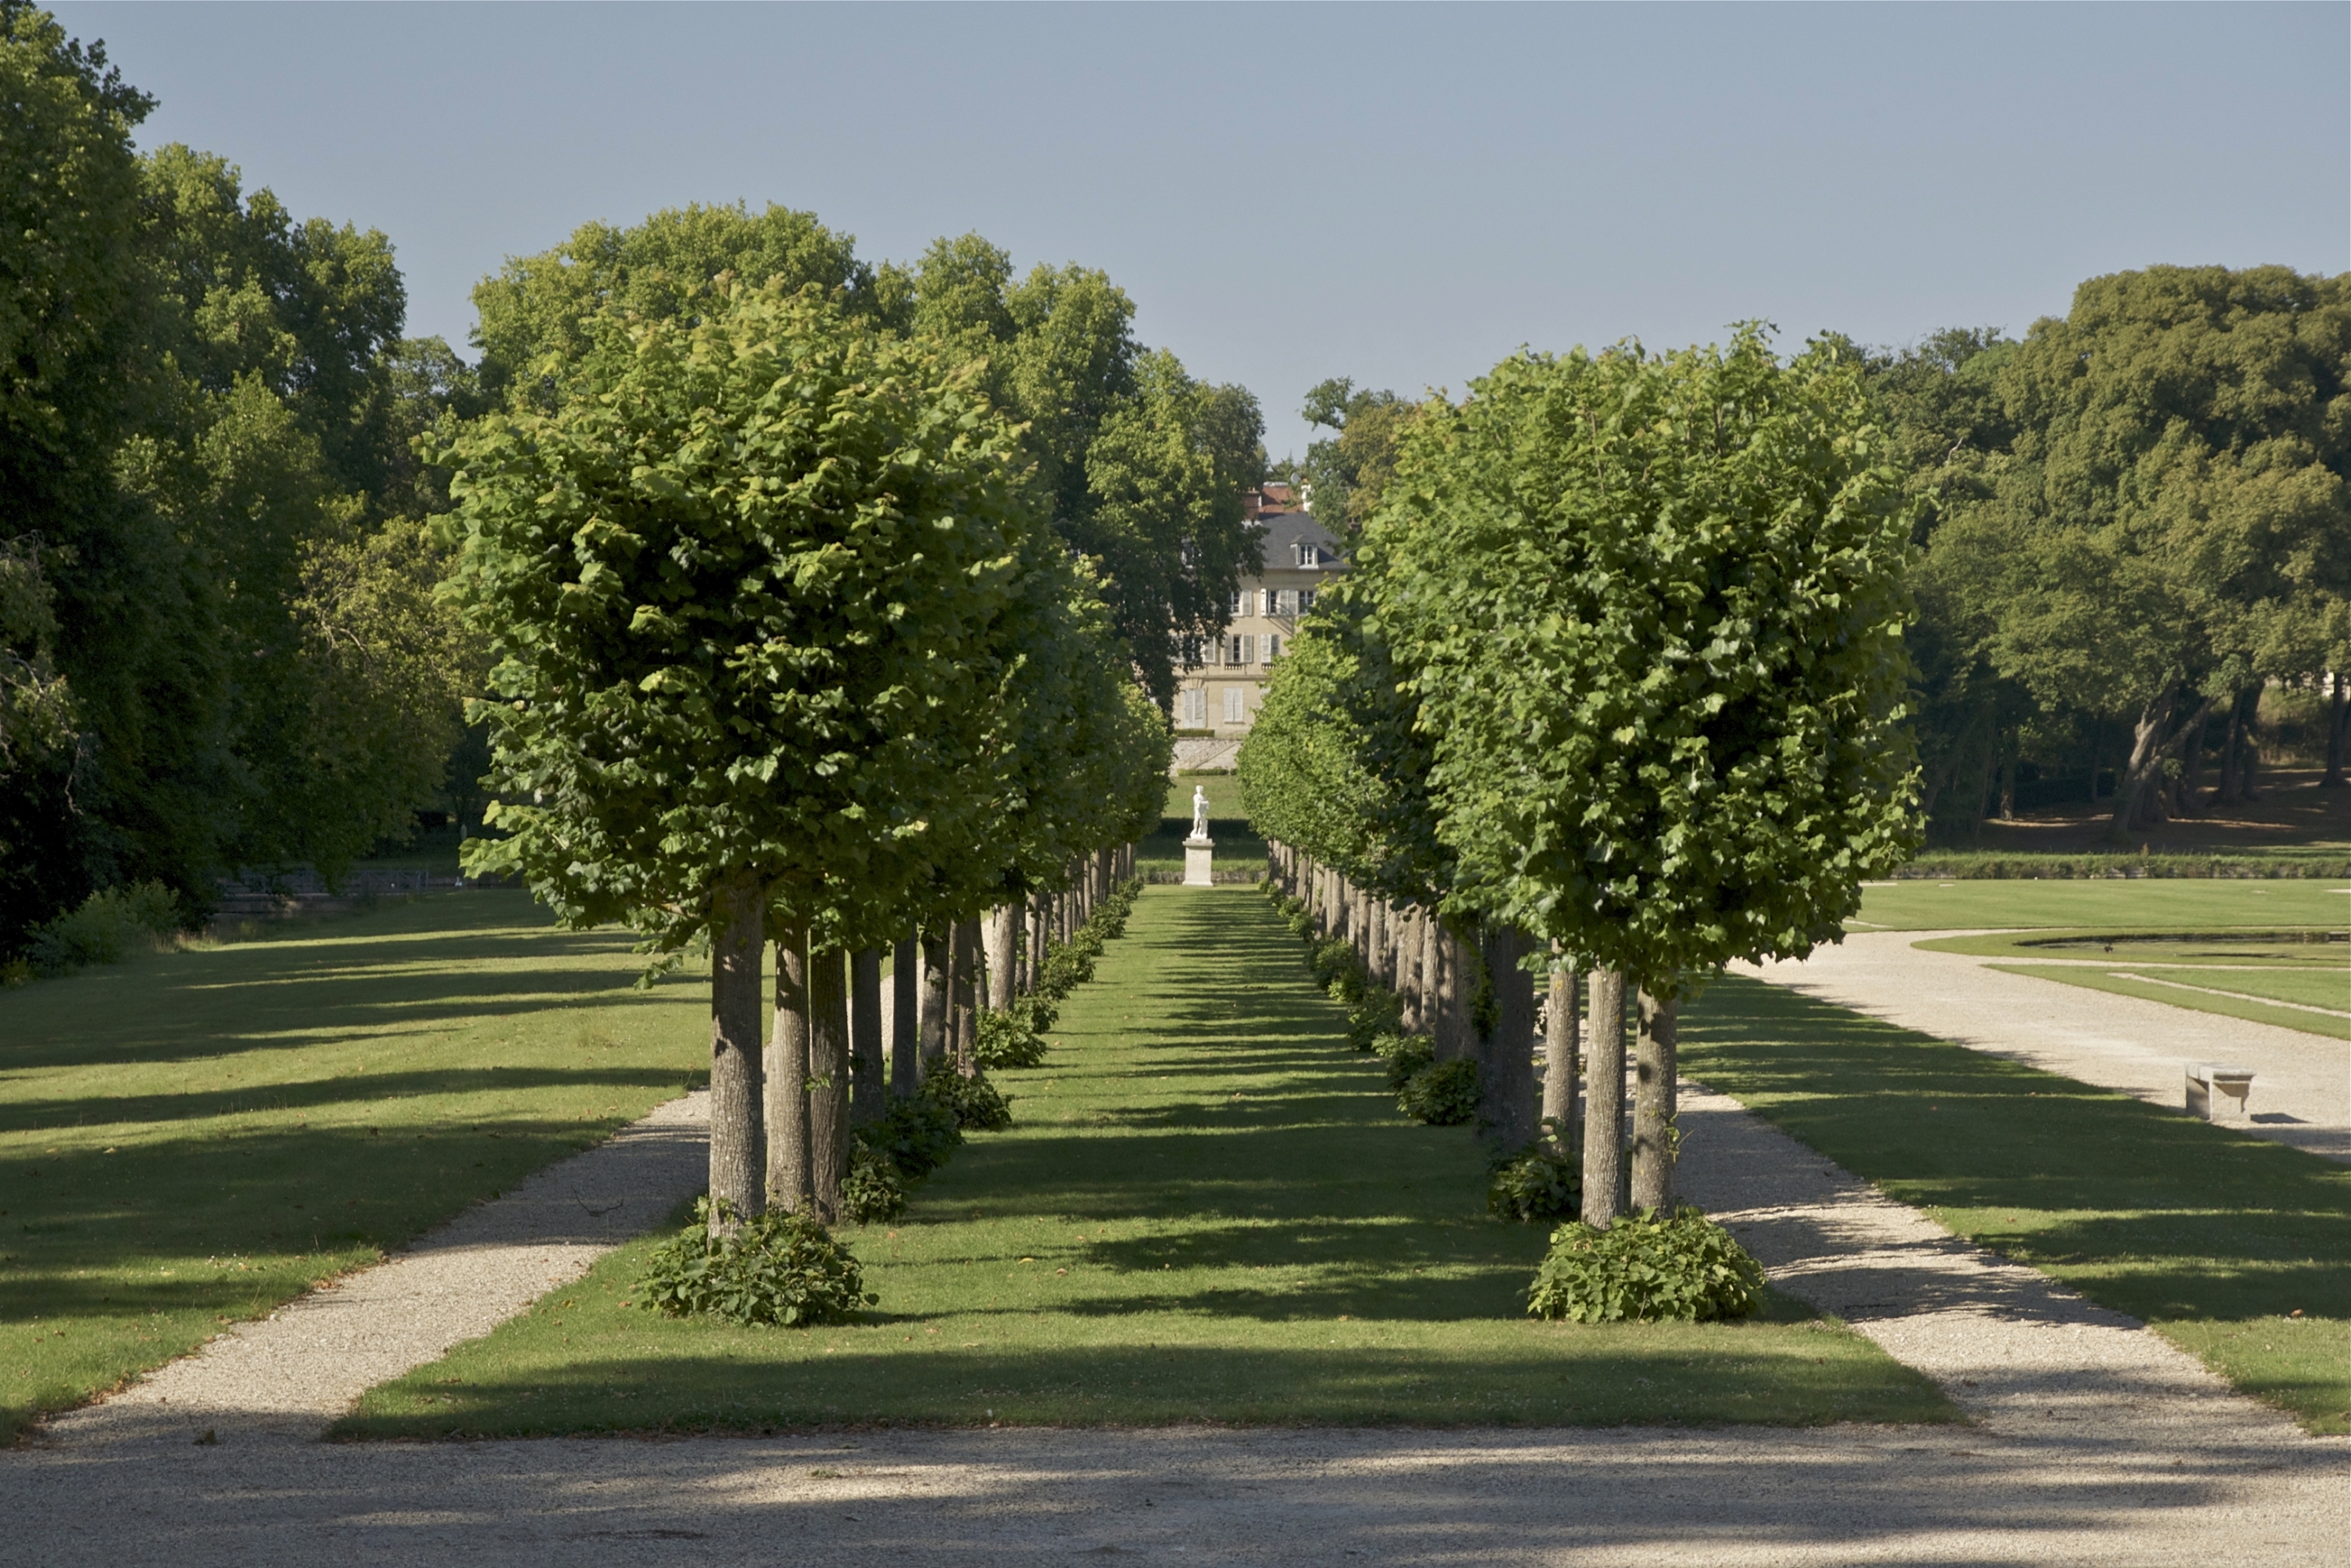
1206 1209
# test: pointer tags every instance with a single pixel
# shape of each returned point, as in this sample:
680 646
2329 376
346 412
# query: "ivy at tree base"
1647 1269
780 1270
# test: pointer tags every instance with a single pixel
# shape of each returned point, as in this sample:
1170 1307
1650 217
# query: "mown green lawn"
191 1138
2177 903
2244 1002
2216 1238
1207 1210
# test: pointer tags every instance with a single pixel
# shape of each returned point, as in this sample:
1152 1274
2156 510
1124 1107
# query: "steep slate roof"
1281 530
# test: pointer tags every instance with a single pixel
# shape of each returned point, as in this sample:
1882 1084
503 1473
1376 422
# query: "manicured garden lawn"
2177 904
2216 1238
191 1138
2243 1003
1207 1210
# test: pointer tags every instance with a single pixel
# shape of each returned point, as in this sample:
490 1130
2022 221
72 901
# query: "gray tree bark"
1506 1058
828 1081
1653 1133
1432 972
1603 1104
997 933
1559 1041
905 1020
936 999
787 1095
964 980
736 1148
865 1064
1456 992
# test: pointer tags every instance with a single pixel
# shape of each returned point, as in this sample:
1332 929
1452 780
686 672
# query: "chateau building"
1219 694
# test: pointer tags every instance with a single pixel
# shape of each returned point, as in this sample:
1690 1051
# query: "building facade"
1219 694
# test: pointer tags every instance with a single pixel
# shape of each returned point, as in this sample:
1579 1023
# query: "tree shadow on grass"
2143 1209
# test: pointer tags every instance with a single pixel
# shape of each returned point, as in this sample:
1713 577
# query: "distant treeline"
2134 531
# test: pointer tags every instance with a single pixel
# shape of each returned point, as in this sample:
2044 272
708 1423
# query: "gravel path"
297 1370
2302 1083
2091 1440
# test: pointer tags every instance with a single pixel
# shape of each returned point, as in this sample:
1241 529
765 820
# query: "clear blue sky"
1399 194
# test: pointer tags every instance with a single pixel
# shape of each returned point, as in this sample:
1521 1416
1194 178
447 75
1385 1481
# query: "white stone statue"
1199 812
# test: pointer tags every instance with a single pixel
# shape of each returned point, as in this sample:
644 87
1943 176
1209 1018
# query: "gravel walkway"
2301 1083
2091 1441
297 1370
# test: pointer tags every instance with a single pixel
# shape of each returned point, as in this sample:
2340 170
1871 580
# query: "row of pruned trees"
788 654
1614 686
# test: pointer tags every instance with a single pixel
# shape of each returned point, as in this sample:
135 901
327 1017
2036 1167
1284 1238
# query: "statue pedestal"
1199 858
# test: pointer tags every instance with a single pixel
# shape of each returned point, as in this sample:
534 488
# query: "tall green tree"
1345 472
742 581
2171 517
1650 608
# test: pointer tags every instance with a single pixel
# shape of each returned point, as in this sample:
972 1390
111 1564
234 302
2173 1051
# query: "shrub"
977 1106
915 1135
1444 1095
1377 1013
1543 1181
875 1189
783 1270
1038 1012
1006 1040
111 925
1334 968
1647 1269
1404 1054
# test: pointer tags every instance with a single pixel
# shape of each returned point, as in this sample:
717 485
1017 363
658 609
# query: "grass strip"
2251 1008
2209 905
2213 1237
1208 1209
190 1140
2312 949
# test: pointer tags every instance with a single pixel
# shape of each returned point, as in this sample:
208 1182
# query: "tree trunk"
1654 1131
963 976
997 933
2008 777
937 1000
905 1020
2186 790
735 1136
1406 936
1604 1101
1559 1096
2337 716
1506 1058
1456 990
1432 973
865 1066
828 1081
2248 734
787 1097
1378 940
2152 740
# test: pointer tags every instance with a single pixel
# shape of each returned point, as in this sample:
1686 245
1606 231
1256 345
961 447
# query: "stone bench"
2220 1094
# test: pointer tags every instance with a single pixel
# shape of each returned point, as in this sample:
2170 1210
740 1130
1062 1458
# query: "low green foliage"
2317 860
974 1101
1405 1055
112 924
1377 1013
1443 1095
1647 1269
780 1269
916 1136
1007 1040
874 1189
1541 1183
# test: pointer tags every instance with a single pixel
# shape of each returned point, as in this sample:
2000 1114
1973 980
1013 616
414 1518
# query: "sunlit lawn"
2215 1237
191 1138
1208 1209
2206 903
